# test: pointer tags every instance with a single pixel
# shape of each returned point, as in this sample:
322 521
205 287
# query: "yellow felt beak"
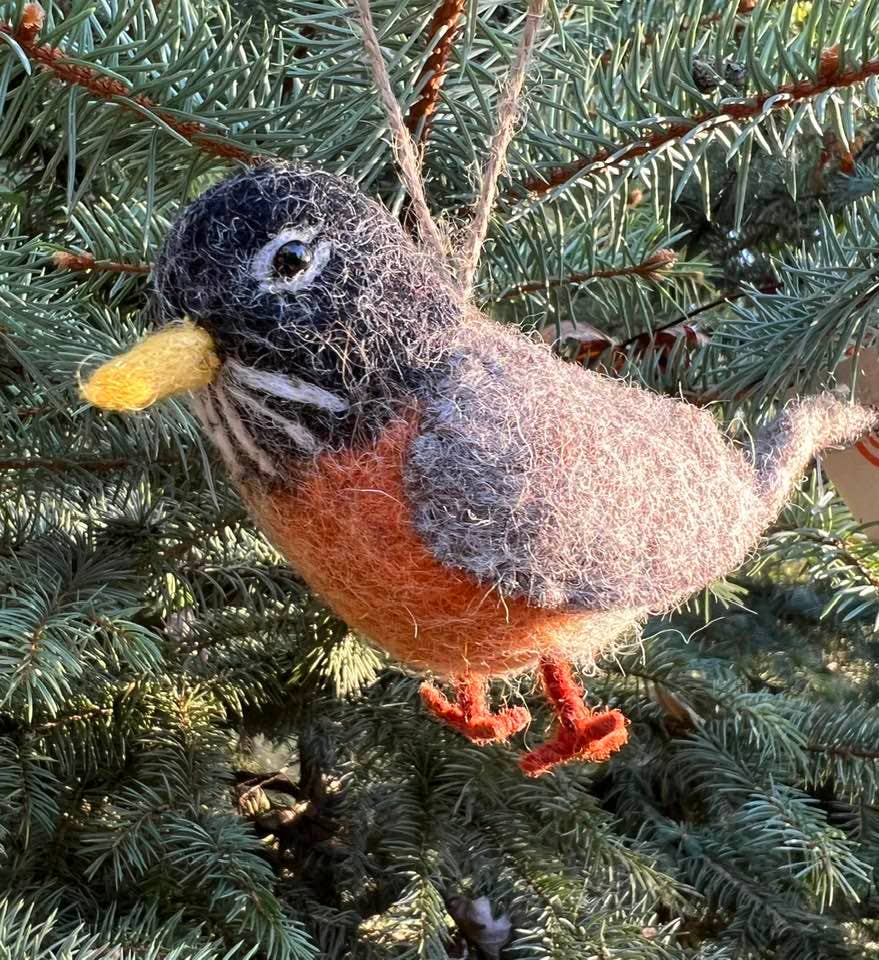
179 358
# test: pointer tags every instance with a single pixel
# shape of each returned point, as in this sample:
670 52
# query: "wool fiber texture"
785 448
558 484
450 488
347 529
154 369
370 329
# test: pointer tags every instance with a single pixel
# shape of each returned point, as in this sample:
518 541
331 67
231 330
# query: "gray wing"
570 489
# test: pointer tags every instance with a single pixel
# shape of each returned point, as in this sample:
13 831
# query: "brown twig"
444 25
845 752
24 412
107 88
594 344
85 261
829 76
277 780
680 320
649 269
83 716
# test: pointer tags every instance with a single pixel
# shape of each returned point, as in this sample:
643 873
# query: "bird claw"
583 734
591 738
470 714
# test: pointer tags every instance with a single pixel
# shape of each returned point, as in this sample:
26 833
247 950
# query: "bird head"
297 311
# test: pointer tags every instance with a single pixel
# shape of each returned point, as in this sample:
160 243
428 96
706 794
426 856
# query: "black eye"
292 258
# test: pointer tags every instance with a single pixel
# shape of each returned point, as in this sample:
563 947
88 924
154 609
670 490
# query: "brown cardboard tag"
855 470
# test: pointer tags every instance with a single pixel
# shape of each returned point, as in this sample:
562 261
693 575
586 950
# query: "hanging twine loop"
466 260
404 147
507 116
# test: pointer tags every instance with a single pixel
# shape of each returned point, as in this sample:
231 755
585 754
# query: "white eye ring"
261 267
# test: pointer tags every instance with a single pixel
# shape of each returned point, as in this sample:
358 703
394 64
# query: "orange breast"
347 530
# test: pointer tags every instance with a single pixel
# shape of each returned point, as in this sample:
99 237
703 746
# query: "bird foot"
470 713
591 739
583 734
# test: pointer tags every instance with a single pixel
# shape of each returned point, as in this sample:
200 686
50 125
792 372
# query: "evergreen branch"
95 465
152 579
842 553
444 25
53 60
846 753
842 741
84 716
744 9
829 77
199 537
68 260
649 269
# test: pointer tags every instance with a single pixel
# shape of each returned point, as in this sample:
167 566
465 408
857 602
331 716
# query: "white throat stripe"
287 388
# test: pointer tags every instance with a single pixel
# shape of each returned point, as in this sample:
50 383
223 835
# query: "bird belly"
347 529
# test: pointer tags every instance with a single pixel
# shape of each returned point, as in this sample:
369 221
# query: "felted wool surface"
787 445
532 507
157 368
347 529
369 329
555 484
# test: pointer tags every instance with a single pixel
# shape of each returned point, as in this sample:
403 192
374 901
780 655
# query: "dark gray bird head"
323 317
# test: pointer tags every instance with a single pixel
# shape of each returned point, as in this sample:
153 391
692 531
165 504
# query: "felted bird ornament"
460 496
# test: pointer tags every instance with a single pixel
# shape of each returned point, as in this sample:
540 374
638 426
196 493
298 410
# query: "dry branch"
829 76
53 60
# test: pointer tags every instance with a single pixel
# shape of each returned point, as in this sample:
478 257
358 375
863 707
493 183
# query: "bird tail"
804 428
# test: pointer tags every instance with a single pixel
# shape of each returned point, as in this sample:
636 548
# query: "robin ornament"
460 496
463 498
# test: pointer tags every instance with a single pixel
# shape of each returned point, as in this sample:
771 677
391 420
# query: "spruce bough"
189 733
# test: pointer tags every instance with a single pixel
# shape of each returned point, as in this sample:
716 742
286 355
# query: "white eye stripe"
287 388
262 264
302 281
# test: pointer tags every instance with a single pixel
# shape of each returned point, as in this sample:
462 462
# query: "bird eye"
292 258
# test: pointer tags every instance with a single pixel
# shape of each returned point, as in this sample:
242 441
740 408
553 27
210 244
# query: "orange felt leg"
583 733
470 713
